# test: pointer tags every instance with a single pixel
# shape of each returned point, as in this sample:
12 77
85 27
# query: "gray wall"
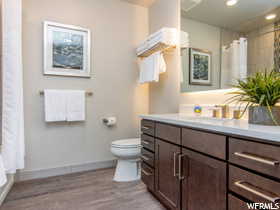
117 28
204 37
164 95
261 49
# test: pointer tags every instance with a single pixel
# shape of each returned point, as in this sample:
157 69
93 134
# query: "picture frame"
200 67
67 50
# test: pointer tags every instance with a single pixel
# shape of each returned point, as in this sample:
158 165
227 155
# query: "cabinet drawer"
169 133
147 157
257 156
253 187
148 176
236 204
148 127
148 142
207 143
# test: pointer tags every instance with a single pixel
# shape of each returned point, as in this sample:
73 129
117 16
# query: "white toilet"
128 153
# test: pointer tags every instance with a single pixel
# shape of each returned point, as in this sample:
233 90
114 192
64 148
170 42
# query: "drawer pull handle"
145 142
174 164
257 158
145 157
248 187
146 173
181 177
145 128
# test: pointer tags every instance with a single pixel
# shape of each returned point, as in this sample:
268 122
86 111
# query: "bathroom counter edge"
234 128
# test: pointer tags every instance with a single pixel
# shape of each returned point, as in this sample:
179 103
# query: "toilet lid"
127 143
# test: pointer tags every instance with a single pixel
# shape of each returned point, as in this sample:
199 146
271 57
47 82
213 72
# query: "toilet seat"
127 143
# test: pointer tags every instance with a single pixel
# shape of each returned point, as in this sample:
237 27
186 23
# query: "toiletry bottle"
197 110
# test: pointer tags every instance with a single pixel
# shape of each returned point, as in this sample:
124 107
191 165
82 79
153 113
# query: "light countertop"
227 126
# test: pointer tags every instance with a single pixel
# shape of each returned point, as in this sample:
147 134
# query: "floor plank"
92 190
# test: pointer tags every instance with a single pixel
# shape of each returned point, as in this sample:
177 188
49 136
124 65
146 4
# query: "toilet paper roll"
110 121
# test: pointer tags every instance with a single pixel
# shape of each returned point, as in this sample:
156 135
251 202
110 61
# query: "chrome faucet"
225 110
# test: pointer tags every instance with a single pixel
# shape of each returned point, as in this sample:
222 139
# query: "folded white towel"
142 48
151 67
64 105
168 36
163 31
75 105
55 105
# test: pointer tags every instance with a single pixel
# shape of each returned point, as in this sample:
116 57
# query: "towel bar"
88 93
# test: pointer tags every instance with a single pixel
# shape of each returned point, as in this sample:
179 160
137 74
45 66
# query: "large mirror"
226 40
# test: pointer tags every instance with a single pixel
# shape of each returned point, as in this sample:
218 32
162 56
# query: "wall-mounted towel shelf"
88 93
158 47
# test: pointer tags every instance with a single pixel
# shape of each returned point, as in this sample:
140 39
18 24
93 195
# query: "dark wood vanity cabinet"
203 182
147 154
167 184
190 169
236 204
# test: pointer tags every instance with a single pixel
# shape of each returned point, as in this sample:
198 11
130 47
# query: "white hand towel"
146 70
75 107
151 67
162 64
55 105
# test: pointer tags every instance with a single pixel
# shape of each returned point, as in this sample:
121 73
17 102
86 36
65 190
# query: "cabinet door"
203 182
167 184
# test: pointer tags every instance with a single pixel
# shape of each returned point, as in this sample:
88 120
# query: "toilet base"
127 171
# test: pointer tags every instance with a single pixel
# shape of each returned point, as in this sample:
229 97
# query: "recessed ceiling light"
231 2
270 16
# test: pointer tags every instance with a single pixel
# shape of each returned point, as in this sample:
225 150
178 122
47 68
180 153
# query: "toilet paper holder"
109 121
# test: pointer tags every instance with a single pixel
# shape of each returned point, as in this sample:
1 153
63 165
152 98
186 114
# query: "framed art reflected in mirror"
200 67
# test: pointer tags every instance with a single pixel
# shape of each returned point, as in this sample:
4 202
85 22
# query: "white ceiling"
144 3
241 17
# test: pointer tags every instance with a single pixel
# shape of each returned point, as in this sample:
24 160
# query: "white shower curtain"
243 58
12 104
234 62
226 68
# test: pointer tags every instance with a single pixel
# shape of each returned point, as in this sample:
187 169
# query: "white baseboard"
44 173
6 188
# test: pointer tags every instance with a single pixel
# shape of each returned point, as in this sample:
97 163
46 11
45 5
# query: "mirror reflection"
226 40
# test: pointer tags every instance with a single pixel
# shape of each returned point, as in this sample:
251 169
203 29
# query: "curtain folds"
234 62
12 93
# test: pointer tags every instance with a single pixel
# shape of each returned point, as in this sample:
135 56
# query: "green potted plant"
260 93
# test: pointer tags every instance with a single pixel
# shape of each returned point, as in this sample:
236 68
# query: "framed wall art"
200 67
67 50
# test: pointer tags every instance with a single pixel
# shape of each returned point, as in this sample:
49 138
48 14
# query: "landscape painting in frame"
200 67
66 50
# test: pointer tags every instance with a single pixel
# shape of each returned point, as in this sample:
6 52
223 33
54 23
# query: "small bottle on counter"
197 110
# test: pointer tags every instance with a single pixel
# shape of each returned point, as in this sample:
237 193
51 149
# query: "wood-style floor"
92 190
